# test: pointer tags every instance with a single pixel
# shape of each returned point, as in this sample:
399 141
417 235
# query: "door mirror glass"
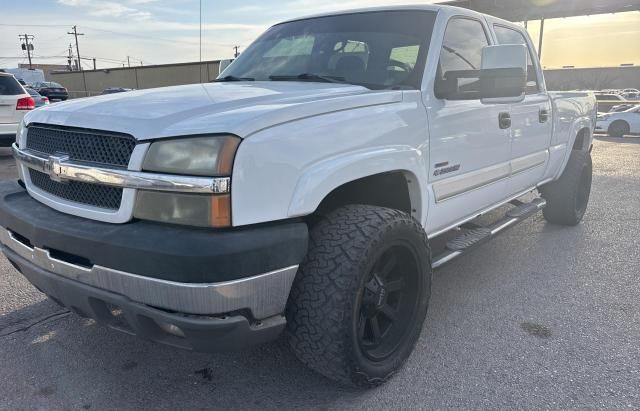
503 74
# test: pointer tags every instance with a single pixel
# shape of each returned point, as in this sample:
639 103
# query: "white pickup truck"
301 192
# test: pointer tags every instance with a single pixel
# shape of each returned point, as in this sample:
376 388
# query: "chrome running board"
471 237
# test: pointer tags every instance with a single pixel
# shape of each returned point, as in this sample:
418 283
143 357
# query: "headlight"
198 156
603 117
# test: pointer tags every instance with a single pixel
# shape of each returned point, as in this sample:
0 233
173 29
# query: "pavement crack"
47 318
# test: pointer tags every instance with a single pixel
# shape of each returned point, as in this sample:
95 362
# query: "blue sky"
151 31
166 31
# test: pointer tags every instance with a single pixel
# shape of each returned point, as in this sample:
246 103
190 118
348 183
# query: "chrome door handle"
543 115
504 120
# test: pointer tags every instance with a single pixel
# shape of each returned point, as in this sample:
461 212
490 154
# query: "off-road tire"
323 307
567 197
618 128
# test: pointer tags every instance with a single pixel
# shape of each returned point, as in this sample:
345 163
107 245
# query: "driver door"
469 148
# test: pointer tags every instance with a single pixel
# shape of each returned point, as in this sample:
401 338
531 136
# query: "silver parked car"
37 97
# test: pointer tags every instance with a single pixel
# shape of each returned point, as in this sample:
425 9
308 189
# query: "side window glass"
460 60
509 36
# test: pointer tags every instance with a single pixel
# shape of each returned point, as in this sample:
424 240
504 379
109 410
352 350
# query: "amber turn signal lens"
220 211
186 209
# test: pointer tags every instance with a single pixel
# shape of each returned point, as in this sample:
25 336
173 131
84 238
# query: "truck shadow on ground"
75 355
54 342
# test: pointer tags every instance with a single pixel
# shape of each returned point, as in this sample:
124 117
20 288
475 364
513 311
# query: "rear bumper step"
469 238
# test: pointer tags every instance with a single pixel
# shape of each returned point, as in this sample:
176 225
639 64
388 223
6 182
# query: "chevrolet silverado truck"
305 192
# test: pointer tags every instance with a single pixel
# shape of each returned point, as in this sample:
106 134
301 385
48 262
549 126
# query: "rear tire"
567 198
619 128
360 299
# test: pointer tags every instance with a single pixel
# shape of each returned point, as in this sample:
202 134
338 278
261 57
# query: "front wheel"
358 303
567 198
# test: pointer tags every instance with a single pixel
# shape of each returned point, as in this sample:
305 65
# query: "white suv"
14 103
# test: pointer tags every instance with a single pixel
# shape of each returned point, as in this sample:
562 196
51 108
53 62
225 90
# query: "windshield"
374 49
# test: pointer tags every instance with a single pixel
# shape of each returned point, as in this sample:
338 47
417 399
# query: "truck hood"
240 108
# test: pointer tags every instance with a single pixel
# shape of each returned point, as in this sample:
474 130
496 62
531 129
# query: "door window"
460 60
506 35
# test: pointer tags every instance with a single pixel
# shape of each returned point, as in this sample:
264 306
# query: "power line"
33 25
120 33
153 38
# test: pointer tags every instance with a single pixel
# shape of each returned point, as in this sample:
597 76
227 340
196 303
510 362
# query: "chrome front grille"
93 146
83 145
91 194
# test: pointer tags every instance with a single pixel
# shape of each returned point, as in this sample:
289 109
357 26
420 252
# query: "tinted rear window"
9 86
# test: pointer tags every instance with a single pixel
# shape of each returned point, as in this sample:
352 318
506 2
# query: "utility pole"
128 62
70 58
540 39
200 65
236 54
94 63
76 34
26 46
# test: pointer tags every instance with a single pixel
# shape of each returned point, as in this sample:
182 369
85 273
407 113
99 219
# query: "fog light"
186 209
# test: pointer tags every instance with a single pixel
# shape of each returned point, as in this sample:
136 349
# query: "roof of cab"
407 7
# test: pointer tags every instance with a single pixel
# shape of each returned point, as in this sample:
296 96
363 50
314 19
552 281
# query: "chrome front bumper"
265 295
60 168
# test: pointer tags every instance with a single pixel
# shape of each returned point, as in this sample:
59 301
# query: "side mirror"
503 75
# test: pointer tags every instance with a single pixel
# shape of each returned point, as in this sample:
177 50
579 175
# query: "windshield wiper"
309 77
232 78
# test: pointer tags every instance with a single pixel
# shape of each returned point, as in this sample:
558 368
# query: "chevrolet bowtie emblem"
53 166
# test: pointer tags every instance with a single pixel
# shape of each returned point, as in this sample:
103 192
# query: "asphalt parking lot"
542 317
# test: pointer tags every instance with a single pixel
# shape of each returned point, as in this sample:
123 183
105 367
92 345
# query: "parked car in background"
631 95
113 90
621 107
630 90
606 101
52 90
620 123
39 99
608 97
28 76
14 103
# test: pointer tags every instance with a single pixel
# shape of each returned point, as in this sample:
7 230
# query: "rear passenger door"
530 120
469 151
